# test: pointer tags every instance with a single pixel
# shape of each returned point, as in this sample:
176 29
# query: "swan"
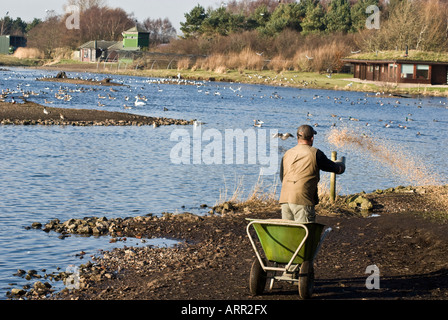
138 103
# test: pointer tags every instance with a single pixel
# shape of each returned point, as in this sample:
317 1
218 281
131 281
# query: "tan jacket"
300 175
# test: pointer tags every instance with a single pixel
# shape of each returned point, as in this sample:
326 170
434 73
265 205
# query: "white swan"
138 103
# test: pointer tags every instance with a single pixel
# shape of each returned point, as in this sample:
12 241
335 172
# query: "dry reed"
407 166
183 64
28 53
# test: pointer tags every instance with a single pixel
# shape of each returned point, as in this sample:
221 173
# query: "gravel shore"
404 235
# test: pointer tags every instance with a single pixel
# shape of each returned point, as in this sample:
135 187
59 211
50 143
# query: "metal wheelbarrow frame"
291 244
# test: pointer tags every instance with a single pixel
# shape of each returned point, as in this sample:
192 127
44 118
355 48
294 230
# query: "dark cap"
305 132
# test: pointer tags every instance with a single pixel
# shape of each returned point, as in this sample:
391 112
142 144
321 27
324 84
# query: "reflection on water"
74 172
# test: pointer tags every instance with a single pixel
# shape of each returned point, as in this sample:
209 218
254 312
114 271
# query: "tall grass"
249 50
260 194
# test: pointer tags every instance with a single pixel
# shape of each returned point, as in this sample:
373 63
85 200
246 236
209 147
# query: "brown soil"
105 82
408 242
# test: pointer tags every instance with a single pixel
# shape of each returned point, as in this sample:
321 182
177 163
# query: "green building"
9 44
135 38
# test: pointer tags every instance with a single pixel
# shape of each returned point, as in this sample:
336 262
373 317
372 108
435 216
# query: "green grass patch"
413 55
8 60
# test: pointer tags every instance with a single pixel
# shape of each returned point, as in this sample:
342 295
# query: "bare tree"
161 30
84 5
418 24
47 36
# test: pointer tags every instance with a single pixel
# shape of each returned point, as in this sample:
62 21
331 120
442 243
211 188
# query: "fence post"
334 156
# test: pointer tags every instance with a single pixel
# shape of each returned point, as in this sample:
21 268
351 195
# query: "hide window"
422 71
407 71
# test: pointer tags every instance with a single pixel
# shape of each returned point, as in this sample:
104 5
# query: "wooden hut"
397 67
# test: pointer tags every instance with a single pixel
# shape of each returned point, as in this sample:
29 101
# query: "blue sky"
174 10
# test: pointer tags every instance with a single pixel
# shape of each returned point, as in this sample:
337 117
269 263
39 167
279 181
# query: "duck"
46 111
258 123
283 136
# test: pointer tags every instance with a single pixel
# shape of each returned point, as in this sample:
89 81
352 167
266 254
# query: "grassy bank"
11 61
288 78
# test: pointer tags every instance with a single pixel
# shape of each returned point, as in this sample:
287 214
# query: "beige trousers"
298 213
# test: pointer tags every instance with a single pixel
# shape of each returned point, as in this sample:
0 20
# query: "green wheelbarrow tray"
287 242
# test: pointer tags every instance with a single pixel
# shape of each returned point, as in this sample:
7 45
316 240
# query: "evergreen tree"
358 13
193 21
338 16
221 21
259 18
314 21
285 16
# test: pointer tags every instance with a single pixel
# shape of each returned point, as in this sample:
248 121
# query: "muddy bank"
30 113
405 236
63 77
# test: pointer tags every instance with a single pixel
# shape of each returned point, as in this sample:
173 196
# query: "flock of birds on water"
131 96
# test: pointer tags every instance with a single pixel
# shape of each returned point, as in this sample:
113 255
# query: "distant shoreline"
288 78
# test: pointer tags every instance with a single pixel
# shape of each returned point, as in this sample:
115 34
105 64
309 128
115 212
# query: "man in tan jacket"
300 174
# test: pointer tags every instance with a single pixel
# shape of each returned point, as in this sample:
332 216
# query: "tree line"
98 21
270 17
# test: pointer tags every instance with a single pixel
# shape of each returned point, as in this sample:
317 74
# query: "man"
300 174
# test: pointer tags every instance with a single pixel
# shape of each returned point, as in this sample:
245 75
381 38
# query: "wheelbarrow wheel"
257 278
306 280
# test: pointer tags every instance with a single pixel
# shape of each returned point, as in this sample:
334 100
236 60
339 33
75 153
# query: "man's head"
305 134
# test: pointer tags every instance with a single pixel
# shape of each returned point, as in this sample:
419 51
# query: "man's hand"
341 166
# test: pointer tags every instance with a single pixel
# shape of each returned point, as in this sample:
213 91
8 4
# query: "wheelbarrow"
289 251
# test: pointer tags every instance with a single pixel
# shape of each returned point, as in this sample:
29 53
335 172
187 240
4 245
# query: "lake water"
75 172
